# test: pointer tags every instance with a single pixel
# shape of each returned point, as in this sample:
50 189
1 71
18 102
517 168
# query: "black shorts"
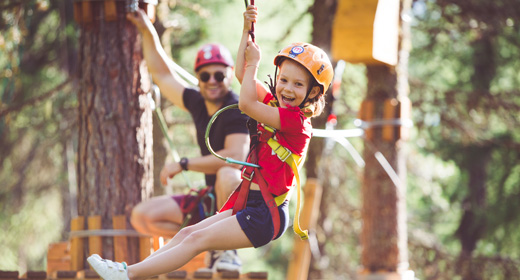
256 220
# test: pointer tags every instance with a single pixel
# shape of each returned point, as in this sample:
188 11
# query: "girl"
257 212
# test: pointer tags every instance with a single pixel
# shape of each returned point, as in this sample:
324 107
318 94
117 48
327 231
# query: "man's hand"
139 19
168 171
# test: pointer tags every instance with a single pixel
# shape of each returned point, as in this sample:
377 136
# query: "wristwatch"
184 163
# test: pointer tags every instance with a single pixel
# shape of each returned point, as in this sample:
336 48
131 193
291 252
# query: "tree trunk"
380 195
473 221
384 232
321 37
115 164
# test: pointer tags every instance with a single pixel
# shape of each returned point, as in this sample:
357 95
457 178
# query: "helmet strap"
302 105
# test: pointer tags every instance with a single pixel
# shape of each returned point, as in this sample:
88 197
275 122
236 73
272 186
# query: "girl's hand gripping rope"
250 16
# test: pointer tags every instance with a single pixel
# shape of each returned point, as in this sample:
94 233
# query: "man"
162 215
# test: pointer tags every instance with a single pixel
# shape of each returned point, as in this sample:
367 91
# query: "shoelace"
119 266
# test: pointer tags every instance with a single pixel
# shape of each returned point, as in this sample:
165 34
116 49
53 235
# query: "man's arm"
172 86
236 146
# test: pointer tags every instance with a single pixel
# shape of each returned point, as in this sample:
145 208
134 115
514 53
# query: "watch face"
184 163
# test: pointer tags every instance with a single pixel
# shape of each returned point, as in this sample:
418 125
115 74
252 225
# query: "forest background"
463 188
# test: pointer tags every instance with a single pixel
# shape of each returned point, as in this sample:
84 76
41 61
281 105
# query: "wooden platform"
59 268
92 275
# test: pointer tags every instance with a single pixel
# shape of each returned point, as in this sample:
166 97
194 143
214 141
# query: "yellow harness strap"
293 161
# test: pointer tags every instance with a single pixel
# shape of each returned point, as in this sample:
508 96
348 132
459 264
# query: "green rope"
206 137
173 151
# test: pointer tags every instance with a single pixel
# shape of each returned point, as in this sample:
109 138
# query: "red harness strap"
241 201
247 175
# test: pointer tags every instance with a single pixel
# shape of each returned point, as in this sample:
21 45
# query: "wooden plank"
88 274
257 275
76 244
352 31
203 275
77 12
86 9
110 10
366 31
145 247
178 274
229 275
390 113
66 275
120 242
366 113
95 242
58 257
8 275
35 275
156 243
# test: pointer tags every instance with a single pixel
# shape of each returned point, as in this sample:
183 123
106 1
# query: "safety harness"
267 134
251 169
198 200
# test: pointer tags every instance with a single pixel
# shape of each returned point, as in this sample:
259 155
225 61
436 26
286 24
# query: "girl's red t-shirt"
295 134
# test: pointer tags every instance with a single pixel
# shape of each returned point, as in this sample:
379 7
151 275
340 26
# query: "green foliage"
464 86
35 122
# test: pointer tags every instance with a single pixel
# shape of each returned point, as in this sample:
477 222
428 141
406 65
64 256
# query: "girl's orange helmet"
312 58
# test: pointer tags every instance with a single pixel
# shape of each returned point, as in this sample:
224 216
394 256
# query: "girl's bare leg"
187 230
223 234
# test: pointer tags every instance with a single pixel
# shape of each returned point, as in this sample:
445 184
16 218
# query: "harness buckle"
283 155
246 176
271 203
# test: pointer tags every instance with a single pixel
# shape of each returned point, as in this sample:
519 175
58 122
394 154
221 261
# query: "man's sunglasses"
205 76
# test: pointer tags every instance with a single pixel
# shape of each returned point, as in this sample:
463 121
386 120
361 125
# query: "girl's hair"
318 101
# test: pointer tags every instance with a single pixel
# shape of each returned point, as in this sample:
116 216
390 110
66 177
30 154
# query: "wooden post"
76 244
366 113
86 10
110 10
144 247
95 242
58 257
156 243
299 265
390 113
120 242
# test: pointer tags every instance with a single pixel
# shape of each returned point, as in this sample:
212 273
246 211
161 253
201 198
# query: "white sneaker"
108 269
225 261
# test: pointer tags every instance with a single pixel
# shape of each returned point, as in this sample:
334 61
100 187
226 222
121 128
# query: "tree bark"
384 231
115 158
321 37
380 196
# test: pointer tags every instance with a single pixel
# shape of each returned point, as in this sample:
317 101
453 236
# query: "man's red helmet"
213 54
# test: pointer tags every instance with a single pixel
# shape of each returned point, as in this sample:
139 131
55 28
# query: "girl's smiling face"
293 83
